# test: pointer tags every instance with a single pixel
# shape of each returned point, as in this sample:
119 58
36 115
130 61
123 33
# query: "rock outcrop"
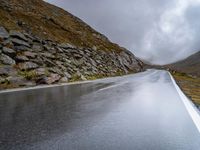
32 61
30 56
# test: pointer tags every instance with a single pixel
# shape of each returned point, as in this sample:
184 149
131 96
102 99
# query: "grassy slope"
190 65
190 86
187 75
50 22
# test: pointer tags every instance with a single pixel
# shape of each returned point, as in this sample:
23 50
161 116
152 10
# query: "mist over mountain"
161 32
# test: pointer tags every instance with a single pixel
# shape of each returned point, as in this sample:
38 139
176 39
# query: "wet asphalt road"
136 112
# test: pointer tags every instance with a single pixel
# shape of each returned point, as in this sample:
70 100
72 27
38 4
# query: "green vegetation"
29 75
97 76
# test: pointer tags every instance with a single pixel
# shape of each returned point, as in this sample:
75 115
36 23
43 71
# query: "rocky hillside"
190 65
43 44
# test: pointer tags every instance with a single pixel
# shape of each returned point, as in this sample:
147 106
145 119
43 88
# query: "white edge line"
192 110
115 85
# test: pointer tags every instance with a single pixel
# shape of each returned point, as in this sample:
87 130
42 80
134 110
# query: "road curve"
141 112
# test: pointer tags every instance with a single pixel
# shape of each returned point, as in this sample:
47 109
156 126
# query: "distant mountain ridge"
190 65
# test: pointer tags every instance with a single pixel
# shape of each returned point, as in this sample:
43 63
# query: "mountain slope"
190 65
187 75
50 22
43 44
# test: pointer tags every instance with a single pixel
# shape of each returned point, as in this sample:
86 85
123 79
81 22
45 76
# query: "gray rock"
78 63
40 71
27 66
48 55
51 79
64 79
37 47
7 43
7 60
66 46
56 70
19 42
7 70
87 50
2 80
21 48
67 60
29 36
48 62
59 63
9 51
19 81
21 58
83 78
93 62
18 35
3 33
77 56
66 74
59 49
30 54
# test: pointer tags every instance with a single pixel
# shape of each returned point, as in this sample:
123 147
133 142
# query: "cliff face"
43 44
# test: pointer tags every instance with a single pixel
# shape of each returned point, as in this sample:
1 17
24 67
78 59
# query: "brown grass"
53 23
190 86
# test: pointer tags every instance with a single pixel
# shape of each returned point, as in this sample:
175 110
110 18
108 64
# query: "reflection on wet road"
140 112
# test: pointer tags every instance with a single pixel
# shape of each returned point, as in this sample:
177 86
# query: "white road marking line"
190 108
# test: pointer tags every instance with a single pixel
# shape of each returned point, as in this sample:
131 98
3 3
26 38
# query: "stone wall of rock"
26 60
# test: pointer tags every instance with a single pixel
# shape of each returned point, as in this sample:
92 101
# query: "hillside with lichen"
51 23
43 44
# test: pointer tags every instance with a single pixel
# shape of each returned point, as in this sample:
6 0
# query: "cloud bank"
158 31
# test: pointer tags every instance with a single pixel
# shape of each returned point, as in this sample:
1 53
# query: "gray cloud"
159 31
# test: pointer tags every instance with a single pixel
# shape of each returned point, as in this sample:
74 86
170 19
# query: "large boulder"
21 58
27 66
7 60
30 54
50 79
64 80
19 42
9 51
18 35
40 71
7 70
3 33
19 81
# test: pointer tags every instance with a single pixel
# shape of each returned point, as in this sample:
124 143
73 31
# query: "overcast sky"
159 31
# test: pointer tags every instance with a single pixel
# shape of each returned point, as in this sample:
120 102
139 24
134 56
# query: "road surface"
136 112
